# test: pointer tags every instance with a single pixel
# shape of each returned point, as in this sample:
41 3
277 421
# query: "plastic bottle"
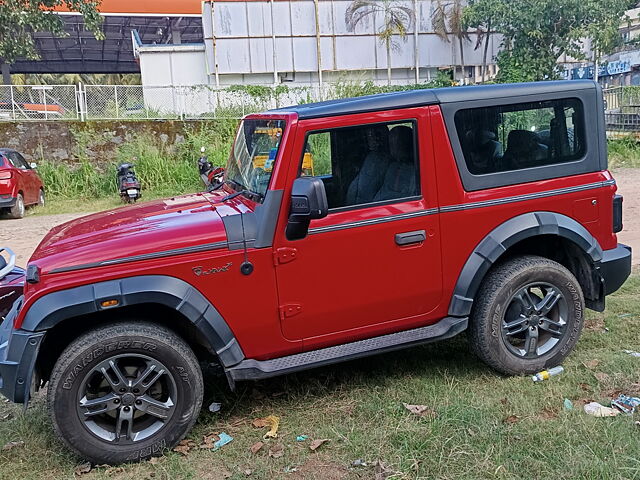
545 374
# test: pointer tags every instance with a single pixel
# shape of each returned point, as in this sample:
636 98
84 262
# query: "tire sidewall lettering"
79 366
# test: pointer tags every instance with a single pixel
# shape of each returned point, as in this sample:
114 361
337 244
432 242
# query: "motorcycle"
128 184
211 176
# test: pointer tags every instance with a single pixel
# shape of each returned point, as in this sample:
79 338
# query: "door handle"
409 238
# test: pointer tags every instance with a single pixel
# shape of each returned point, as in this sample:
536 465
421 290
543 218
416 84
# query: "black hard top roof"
435 96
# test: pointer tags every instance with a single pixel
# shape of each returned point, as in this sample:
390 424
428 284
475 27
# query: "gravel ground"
23 236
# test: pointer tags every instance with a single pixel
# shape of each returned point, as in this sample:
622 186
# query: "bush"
161 169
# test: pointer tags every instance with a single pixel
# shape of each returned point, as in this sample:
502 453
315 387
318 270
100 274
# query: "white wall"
239 40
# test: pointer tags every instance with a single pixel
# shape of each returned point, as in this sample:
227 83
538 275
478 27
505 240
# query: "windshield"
254 153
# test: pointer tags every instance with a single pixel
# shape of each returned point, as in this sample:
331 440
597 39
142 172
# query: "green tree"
397 20
483 15
448 19
537 33
19 19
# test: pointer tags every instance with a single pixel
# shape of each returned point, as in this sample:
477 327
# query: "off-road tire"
96 346
42 198
485 331
17 211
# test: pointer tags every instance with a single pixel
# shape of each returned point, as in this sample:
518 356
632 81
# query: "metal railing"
125 102
131 102
38 102
622 111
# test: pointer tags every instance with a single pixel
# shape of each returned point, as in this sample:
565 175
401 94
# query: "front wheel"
527 316
125 392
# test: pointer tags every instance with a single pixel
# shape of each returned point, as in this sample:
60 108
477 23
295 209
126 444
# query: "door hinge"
290 310
284 255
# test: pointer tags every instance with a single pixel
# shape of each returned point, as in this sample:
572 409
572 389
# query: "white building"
307 43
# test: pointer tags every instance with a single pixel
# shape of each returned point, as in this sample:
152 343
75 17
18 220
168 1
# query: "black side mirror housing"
308 202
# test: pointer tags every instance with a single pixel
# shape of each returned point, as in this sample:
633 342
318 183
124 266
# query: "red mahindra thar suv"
342 229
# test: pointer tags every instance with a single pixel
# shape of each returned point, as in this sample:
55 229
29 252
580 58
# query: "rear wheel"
527 315
41 198
125 392
17 211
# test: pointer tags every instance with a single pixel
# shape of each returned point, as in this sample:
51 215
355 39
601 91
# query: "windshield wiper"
243 192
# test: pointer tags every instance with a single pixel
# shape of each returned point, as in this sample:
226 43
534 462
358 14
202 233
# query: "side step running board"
256 369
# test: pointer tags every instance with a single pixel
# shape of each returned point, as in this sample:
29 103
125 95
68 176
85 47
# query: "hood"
152 227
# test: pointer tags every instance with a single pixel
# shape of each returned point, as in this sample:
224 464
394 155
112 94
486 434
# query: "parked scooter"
211 176
128 183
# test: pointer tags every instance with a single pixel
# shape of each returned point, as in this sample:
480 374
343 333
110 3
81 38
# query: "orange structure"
149 7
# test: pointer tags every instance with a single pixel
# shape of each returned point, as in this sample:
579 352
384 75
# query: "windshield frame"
235 184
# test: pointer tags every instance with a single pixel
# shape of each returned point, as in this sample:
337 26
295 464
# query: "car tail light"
6 175
617 213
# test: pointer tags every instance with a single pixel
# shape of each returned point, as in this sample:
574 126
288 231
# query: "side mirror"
308 202
33 165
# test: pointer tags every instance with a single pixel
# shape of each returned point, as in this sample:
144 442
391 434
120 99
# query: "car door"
31 189
21 179
373 265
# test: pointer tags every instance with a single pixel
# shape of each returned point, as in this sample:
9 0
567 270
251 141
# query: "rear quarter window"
519 139
514 137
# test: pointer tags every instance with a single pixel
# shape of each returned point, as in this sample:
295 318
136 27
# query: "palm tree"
398 19
447 19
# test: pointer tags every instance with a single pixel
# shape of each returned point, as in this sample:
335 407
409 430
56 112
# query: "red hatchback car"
20 184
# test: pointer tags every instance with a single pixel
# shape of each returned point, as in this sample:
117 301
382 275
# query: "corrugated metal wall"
240 38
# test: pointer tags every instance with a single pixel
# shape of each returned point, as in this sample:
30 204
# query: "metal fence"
622 111
120 102
37 102
129 102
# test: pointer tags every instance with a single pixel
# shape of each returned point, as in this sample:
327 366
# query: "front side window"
515 137
364 164
253 155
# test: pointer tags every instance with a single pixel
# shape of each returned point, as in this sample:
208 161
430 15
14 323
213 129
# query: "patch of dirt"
24 235
628 180
320 468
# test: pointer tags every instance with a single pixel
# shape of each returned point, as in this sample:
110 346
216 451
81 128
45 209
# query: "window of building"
365 164
514 137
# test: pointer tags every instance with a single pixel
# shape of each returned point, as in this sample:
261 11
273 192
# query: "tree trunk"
388 42
462 65
485 67
6 74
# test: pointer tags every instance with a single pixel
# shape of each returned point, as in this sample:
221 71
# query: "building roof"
80 52
418 98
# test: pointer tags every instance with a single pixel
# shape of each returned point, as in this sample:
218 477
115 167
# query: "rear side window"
514 137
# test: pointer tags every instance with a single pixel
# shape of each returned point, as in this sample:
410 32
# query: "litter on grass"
596 410
546 374
224 439
632 353
626 404
272 422
215 407
301 438
568 404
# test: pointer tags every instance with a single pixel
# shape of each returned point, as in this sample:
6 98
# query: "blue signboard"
612 68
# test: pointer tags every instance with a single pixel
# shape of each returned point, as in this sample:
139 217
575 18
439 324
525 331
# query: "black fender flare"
51 309
500 239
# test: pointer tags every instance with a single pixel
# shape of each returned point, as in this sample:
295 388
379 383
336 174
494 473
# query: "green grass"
358 405
161 169
624 153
